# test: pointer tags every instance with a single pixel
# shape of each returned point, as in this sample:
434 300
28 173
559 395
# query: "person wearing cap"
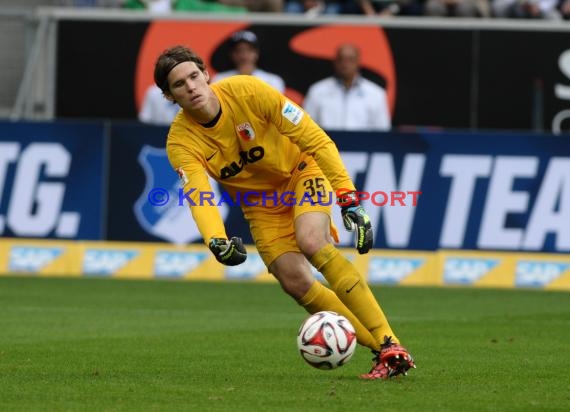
244 54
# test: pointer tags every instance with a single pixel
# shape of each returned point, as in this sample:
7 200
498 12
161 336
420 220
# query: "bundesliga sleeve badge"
292 113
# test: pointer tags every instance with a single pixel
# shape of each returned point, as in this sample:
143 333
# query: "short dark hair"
169 59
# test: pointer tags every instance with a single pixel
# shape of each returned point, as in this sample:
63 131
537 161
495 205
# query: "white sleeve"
381 119
280 84
145 113
310 104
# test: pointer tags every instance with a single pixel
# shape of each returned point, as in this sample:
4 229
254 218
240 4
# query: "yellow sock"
319 297
353 290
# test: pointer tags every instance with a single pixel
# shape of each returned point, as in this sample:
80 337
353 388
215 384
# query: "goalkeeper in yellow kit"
250 138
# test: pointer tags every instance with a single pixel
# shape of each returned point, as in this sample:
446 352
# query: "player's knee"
296 289
295 279
294 285
311 241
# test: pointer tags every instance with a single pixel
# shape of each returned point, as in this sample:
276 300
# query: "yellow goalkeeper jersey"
256 144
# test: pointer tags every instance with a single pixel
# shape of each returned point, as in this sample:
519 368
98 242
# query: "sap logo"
391 270
249 269
467 271
538 274
177 264
32 259
106 262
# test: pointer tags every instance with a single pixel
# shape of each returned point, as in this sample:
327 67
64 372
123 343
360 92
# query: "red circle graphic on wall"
205 37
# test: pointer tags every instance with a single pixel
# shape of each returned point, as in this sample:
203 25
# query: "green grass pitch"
111 345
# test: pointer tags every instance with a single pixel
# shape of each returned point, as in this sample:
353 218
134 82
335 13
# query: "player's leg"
390 358
294 274
273 231
313 228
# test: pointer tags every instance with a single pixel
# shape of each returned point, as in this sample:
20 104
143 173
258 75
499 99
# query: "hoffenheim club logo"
170 221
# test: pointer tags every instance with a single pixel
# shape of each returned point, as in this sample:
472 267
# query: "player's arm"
293 122
298 126
198 194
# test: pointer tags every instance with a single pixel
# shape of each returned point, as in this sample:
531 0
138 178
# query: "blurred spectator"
383 7
91 3
348 101
313 7
526 9
207 6
166 6
275 6
156 109
244 54
155 6
564 9
458 8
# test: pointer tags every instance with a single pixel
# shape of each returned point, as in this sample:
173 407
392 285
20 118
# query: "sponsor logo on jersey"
245 157
538 274
245 131
292 113
31 259
466 271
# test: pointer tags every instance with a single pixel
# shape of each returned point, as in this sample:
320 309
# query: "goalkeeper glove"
356 219
228 252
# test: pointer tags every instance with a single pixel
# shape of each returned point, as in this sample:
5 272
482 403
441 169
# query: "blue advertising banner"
51 180
139 167
478 191
423 191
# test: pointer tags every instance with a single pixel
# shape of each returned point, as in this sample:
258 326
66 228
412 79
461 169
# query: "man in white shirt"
348 101
244 54
156 109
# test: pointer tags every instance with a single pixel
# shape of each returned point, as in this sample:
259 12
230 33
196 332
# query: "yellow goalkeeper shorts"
272 221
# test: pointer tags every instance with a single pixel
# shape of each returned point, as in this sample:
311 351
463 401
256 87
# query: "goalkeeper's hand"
228 252
356 219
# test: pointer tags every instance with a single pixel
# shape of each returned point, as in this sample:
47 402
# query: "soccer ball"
326 340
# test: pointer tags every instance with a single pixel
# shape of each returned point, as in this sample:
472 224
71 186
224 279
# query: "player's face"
189 87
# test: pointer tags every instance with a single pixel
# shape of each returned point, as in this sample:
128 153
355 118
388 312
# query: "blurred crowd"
521 9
